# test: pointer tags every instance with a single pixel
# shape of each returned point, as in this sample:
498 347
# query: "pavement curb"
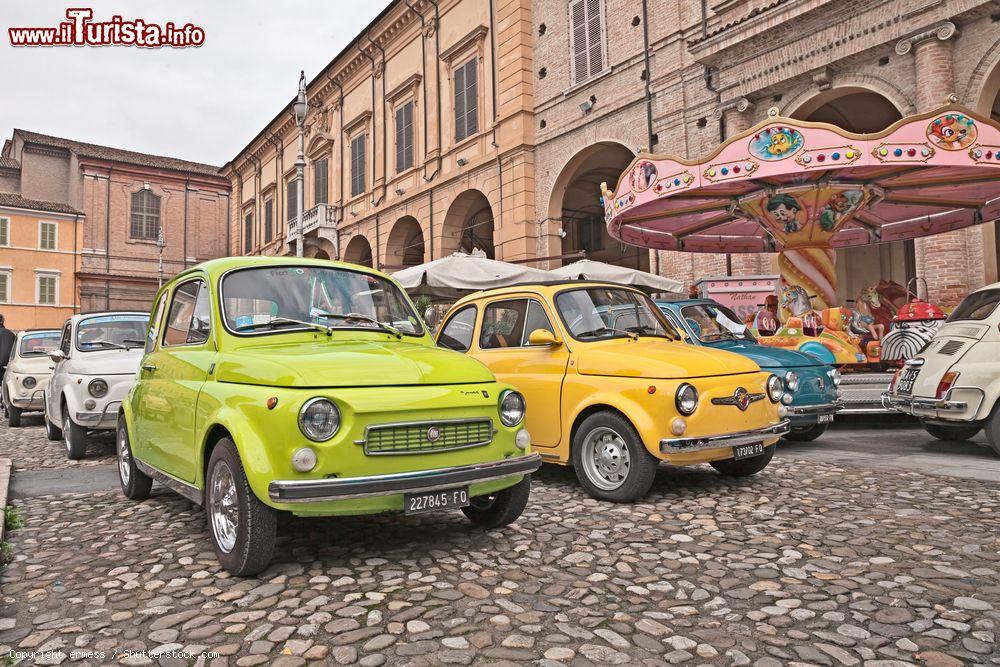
5 467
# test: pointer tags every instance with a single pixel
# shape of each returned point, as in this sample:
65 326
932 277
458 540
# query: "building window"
586 39
466 100
268 221
248 233
47 235
4 286
404 137
358 165
47 292
4 231
321 170
145 215
292 190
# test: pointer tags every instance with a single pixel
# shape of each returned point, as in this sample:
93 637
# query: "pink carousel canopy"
789 184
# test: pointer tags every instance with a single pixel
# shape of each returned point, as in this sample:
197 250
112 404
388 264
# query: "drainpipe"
384 132
648 75
423 68
107 241
340 146
187 182
430 215
378 244
229 221
437 84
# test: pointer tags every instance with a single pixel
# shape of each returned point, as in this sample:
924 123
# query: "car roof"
546 288
99 313
216 267
680 303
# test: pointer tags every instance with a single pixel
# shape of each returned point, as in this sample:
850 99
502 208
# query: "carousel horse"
863 322
796 302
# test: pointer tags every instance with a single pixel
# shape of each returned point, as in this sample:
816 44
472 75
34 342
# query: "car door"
139 396
537 371
172 376
55 386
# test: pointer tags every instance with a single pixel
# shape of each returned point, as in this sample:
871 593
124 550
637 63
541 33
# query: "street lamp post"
301 107
159 246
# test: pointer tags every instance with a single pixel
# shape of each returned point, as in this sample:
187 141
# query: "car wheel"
52 432
13 415
949 433
993 429
135 483
501 508
610 459
75 437
806 433
745 467
243 528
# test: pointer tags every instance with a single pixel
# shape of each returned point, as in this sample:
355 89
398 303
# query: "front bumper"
685 445
105 419
35 402
812 410
917 406
344 488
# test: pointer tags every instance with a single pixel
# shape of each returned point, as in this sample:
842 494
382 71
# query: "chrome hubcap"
223 507
66 431
605 458
124 458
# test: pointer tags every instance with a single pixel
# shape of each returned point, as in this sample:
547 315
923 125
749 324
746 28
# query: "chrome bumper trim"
684 445
34 402
921 407
813 410
343 488
100 419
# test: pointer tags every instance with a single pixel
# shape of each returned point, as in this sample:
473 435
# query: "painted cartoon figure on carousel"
784 209
913 326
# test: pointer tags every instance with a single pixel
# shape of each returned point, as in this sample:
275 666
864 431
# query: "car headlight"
98 388
834 374
791 381
511 407
775 388
319 419
29 382
686 399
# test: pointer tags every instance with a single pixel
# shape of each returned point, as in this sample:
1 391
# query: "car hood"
105 362
768 357
32 365
325 363
659 359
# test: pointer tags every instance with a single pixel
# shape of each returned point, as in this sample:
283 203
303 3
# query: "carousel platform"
861 393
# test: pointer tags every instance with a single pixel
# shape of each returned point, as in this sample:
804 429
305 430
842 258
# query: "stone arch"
404 246
575 203
468 225
359 251
854 108
318 247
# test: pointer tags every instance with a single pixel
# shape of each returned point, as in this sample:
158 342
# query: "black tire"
52 432
745 467
806 433
949 433
256 523
500 509
992 429
641 465
13 415
75 437
136 484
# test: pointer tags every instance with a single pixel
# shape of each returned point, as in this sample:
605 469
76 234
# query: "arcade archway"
468 225
359 251
405 245
576 203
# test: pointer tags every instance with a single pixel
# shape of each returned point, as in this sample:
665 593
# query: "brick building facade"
124 199
418 143
683 76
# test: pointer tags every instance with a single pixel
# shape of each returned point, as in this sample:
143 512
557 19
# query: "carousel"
804 190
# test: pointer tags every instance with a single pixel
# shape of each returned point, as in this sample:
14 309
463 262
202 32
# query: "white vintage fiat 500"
953 384
97 359
28 372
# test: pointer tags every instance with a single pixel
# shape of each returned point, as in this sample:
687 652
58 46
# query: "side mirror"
57 355
431 317
543 337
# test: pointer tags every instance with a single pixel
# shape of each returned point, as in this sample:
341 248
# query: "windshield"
710 322
289 298
596 313
109 332
976 306
39 344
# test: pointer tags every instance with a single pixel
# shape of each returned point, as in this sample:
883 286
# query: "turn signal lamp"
946 383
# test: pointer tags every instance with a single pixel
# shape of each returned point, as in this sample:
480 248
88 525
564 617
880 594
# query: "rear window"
39 344
976 306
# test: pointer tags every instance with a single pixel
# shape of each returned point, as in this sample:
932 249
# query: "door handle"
149 367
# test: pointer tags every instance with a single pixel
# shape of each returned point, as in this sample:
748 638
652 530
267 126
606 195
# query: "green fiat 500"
311 387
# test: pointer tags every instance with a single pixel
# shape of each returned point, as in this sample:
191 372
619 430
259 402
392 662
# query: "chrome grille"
429 436
950 347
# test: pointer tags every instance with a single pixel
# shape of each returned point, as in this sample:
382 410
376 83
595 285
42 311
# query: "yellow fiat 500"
611 387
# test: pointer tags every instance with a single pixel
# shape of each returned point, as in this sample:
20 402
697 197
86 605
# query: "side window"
503 324
183 324
66 343
457 333
535 319
154 324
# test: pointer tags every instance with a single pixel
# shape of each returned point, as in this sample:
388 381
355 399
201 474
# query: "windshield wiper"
364 318
594 332
105 343
277 321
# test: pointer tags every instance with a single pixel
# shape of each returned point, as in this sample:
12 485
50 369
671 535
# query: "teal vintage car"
311 387
811 386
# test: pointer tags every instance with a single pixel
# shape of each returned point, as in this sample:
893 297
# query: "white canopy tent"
588 269
451 277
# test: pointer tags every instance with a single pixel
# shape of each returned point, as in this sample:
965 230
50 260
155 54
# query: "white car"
95 364
953 384
28 372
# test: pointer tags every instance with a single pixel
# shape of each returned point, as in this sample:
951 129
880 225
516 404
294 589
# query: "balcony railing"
321 217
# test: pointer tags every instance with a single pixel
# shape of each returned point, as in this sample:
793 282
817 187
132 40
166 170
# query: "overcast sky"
202 104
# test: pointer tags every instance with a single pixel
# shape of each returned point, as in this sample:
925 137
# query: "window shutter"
471 98
459 84
320 181
248 233
269 221
293 198
595 37
400 148
3 231
586 39
579 40
358 165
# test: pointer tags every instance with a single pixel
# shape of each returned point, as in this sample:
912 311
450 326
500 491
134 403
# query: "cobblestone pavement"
808 563
28 447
